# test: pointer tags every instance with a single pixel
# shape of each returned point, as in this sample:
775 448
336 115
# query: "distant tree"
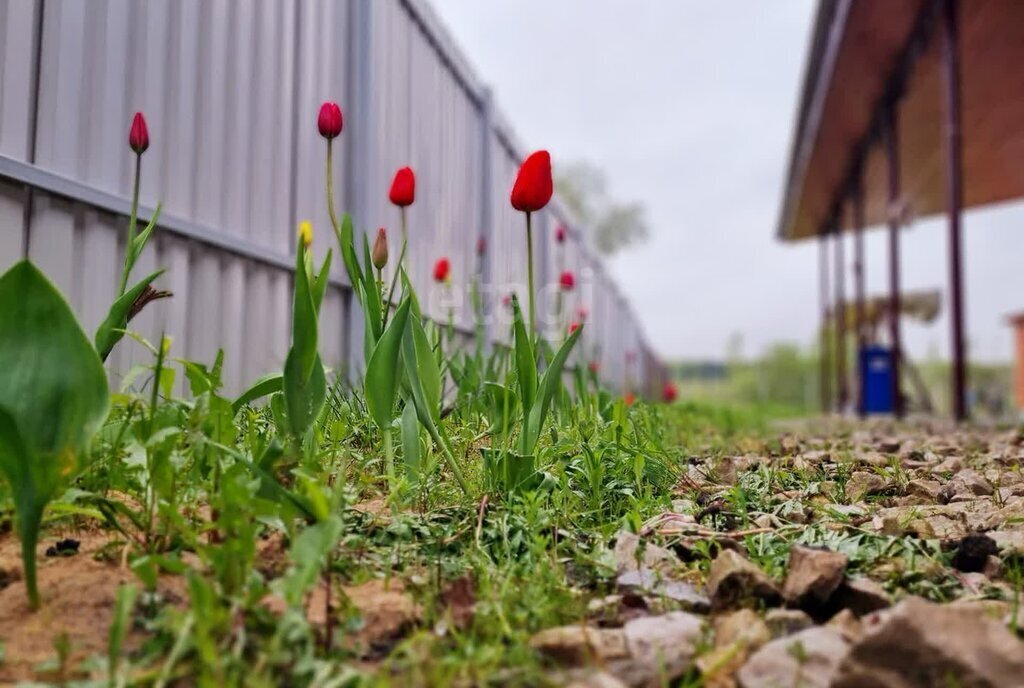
614 225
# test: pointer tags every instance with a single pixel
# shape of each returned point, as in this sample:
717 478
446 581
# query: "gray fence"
231 91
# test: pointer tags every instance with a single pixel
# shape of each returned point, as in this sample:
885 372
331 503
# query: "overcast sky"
689 108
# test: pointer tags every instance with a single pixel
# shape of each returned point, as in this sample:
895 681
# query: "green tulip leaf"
549 385
53 398
111 330
526 360
268 384
380 384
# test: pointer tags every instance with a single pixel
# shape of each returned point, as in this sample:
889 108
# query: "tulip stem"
330 190
132 220
398 269
529 270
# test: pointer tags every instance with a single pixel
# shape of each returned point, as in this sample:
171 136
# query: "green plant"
53 397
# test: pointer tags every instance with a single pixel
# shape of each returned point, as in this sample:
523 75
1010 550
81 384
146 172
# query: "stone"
812 575
734 581
629 557
973 482
926 489
847 623
1010 542
808 659
590 678
577 644
647 582
862 484
973 551
861 596
743 627
920 643
951 464
670 637
783 622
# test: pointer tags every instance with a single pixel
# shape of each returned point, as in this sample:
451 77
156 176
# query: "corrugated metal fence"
231 91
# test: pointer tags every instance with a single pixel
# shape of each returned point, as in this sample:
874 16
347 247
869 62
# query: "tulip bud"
506 301
403 187
380 249
330 121
560 234
442 270
594 366
533 187
630 399
306 233
573 327
567 281
138 136
669 393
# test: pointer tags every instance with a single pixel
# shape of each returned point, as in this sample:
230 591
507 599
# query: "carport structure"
908 109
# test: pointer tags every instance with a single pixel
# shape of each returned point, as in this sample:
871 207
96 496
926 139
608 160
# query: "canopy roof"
865 54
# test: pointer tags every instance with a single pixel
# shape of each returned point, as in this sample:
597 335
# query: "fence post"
487 143
360 160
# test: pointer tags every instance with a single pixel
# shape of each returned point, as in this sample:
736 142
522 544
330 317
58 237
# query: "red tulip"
481 246
594 366
567 280
330 120
506 301
582 313
403 187
630 399
138 136
670 393
442 270
533 187
573 327
560 234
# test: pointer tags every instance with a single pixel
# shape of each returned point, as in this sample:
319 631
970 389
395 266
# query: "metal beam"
954 199
823 374
857 206
892 150
840 318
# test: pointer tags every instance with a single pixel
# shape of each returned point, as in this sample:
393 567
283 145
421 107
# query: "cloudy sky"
689 107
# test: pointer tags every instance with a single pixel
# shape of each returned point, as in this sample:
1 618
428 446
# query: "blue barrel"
876 379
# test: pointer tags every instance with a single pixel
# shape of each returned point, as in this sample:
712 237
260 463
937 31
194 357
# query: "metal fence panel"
231 91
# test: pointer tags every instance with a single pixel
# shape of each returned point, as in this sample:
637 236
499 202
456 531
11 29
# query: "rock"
971 482
860 595
889 445
847 623
648 582
808 659
578 644
951 464
1010 542
737 634
628 555
734 581
812 576
649 651
664 646
973 551
590 678
743 626
862 484
783 622
926 489
920 643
